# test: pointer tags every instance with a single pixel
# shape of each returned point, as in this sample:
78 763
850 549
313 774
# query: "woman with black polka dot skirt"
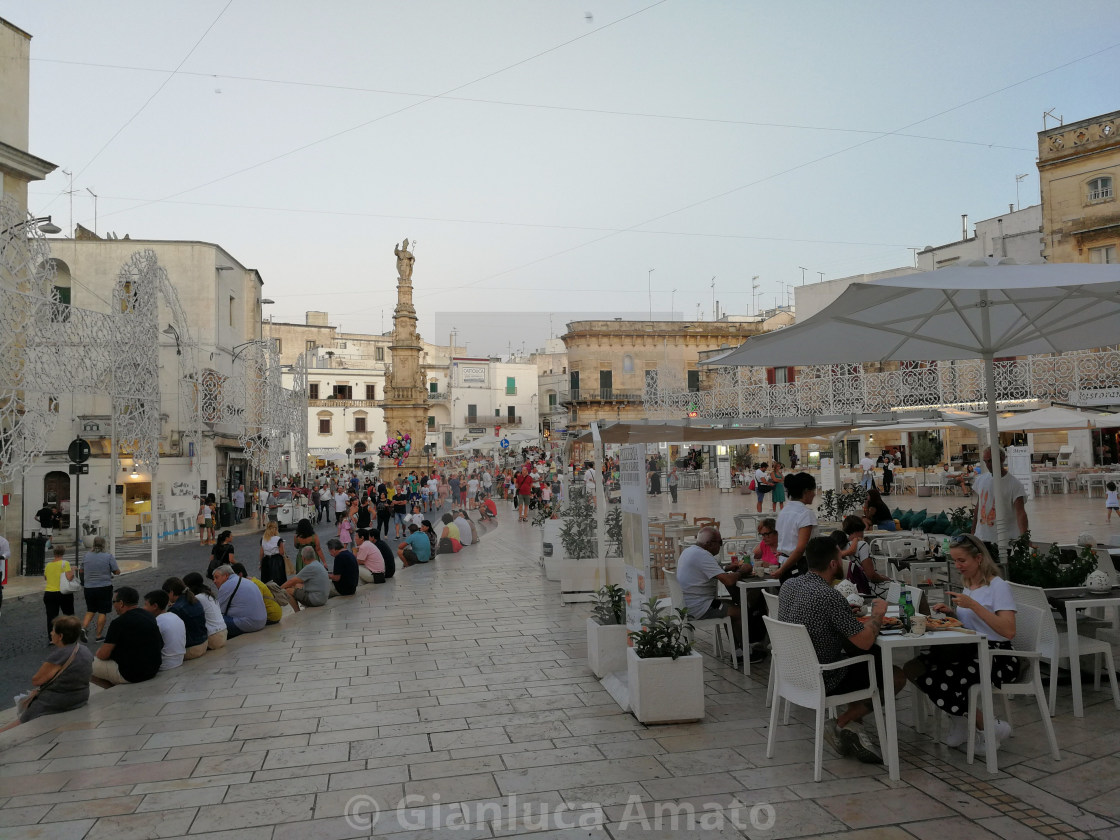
947 672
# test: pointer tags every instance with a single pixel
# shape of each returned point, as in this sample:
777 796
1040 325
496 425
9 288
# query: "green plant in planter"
614 532
664 632
828 509
1027 566
542 512
835 506
926 451
960 519
610 605
577 534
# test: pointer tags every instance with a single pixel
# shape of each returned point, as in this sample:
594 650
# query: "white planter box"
552 550
666 690
606 648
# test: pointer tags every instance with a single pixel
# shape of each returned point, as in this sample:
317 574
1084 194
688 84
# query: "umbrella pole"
993 441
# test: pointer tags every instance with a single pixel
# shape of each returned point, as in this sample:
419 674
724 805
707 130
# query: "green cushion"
931 525
896 513
904 520
918 517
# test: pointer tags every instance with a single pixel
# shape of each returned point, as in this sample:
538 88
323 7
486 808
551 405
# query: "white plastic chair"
718 627
771 599
1053 646
1028 630
801 681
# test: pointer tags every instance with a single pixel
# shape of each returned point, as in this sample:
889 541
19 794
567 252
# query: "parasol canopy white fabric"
940 315
982 310
1052 419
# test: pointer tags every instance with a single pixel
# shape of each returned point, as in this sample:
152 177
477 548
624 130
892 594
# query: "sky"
552 156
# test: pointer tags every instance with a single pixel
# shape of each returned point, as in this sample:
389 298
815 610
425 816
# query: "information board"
635 531
723 472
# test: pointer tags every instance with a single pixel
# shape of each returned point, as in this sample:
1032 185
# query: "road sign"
79 469
505 443
78 451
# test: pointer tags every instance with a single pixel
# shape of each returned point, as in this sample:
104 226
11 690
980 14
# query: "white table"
888 644
744 585
1072 606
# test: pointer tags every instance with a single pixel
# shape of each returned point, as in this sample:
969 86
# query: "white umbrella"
1052 419
983 310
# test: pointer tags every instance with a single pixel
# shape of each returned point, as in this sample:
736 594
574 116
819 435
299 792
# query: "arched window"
56 491
359 447
627 363
62 284
1100 189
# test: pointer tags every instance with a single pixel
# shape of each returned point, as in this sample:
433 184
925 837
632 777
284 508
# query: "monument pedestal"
388 470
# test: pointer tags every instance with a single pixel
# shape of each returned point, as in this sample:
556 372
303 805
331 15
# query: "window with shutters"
313 391
371 392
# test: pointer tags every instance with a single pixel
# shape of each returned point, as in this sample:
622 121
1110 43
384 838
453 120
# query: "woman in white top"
272 561
215 622
795 525
948 671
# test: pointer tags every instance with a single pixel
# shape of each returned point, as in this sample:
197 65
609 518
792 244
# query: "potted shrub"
665 676
926 451
1027 566
606 632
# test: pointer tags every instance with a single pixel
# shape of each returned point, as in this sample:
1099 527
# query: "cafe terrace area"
459 694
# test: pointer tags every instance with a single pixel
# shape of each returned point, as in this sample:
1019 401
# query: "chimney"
1010 208
964 226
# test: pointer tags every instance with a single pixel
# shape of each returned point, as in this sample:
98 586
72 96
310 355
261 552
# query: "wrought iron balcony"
603 395
1082 378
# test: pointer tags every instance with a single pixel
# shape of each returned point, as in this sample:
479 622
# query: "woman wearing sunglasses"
766 552
947 672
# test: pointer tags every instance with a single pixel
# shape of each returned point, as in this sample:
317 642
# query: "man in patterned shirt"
836 634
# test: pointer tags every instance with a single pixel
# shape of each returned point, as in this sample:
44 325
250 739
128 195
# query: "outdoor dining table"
1075 599
751 583
889 641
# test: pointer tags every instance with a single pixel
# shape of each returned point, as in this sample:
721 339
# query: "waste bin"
225 513
34 556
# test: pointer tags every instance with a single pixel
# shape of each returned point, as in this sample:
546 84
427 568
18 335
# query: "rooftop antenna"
754 294
914 254
672 307
715 314
1059 119
803 270
649 289
1018 180
820 274
91 192
70 192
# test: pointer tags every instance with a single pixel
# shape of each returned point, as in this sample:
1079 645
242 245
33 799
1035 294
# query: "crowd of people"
380 527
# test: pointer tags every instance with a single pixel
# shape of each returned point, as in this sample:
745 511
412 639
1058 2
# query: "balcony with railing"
602 395
335 402
438 396
1082 378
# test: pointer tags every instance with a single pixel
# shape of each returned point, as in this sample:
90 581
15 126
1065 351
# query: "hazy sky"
546 155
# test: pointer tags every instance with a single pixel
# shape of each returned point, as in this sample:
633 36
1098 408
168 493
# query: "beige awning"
685 433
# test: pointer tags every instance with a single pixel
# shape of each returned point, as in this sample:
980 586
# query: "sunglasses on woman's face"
766 533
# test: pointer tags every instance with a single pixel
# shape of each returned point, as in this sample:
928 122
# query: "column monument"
406 399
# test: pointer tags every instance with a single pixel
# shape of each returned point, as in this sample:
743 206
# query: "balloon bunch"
397 448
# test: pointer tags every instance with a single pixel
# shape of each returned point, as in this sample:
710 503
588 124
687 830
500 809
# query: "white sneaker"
958 731
1002 731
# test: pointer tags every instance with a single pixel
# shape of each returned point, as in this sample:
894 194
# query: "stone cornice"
24 165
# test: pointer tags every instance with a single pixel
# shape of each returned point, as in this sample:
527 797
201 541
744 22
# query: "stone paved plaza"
458 696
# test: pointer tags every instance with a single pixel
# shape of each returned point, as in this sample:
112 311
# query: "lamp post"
43 224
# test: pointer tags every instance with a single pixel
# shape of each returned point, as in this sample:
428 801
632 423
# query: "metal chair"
800 680
1028 631
716 626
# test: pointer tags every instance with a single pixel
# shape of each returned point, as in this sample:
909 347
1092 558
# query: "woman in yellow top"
55 600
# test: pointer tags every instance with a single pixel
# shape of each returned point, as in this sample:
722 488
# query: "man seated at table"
836 634
698 572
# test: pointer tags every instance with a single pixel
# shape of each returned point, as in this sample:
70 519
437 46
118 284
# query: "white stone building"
486 397
221 302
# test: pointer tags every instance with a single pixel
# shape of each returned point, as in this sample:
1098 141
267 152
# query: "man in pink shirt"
371 564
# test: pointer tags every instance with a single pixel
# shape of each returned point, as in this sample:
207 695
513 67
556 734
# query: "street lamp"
43 224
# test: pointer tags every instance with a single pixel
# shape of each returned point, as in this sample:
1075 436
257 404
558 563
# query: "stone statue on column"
404 261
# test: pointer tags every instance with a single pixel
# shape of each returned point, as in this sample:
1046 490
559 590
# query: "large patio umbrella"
1052 419
982 310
